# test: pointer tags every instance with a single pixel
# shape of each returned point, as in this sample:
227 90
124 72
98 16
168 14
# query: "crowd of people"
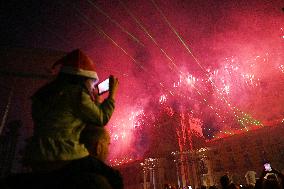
271 179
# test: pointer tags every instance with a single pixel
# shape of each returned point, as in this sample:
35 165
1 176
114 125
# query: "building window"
247 161
243 144
218 166
259 143
203 167
232 163
264 156
229 149
215 152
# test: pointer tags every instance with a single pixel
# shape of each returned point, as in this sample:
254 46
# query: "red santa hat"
77 63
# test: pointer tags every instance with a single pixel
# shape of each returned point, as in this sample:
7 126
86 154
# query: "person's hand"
93 90
263 173
97 98
113 84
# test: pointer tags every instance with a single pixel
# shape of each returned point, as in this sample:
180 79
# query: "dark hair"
224 180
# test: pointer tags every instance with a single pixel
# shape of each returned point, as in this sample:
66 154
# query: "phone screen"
103 86
267 167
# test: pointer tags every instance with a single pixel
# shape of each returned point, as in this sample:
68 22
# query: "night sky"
219 62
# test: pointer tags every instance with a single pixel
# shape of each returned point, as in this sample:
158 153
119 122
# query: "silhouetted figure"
8 144
97 140
270 180
226 183
90 172
62 108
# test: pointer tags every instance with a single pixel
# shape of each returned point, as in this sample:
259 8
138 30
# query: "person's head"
225 181
76 62
96 140
79 64
166 186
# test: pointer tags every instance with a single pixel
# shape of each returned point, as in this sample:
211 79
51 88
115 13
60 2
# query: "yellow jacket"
59 119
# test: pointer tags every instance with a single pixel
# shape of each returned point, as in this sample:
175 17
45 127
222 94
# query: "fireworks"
183 63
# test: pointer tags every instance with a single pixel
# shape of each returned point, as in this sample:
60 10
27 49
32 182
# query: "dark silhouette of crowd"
268 179
272 179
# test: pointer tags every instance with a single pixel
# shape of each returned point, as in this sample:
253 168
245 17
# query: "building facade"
238 154
234 155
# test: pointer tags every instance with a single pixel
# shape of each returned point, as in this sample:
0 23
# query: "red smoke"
237 44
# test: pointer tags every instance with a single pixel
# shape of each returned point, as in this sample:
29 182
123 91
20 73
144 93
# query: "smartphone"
103 86
267 167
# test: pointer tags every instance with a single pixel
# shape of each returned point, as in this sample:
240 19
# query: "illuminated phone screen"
103 86
267 167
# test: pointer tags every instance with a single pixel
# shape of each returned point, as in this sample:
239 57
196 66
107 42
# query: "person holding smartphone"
62 108
269 178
